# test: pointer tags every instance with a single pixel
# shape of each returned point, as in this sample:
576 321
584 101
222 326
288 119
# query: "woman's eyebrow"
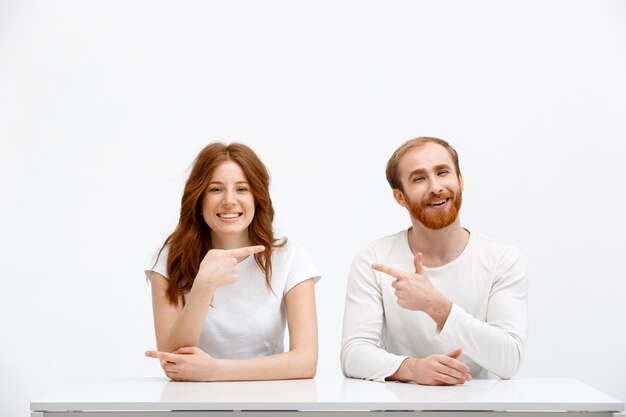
221 183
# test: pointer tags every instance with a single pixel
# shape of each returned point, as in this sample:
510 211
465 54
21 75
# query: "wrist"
215 370
203 289
204 282
404 372
439 310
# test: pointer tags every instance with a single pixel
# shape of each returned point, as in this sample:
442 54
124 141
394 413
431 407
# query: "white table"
139 397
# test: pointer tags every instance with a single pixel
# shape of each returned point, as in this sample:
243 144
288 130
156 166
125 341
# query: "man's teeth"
438 202
229 215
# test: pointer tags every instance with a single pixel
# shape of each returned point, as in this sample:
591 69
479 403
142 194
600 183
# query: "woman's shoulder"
294 260
158 262
161 254
287 248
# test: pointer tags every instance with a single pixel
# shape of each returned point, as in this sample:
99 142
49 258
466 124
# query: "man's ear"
399 196
461 184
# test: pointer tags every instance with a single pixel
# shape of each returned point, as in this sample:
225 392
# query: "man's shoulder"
388 240
379 248
495 248
385 242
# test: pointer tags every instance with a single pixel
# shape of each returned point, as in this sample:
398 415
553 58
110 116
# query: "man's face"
432 190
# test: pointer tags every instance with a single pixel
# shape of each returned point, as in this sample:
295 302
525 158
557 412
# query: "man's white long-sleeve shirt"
487 285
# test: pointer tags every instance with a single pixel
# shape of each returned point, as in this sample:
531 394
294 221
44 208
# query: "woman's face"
228 205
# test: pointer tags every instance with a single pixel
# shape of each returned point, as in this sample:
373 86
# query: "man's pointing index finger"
396 273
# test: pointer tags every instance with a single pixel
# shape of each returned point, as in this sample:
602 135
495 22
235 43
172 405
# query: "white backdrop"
103 106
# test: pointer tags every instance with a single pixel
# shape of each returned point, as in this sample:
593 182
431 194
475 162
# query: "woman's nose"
229 199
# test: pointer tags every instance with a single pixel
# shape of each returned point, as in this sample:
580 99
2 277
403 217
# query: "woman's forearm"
295 364
186 329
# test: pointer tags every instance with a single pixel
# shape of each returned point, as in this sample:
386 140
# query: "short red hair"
393 176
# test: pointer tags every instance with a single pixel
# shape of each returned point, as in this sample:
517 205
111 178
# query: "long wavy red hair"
191 239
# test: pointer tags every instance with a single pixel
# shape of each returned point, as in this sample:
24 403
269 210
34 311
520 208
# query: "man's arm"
361 354
496 344
415 291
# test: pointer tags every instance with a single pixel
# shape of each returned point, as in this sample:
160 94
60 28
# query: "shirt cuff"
450 331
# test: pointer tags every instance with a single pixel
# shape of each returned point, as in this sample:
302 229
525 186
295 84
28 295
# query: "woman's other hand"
187 364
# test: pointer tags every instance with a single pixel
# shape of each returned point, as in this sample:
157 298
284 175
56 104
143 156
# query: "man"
436 304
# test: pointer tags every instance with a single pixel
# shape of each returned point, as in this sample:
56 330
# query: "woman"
223 287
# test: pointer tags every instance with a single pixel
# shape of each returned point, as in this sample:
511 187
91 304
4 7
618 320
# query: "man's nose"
435 186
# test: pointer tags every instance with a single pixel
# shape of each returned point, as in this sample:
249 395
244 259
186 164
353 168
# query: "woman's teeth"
229 215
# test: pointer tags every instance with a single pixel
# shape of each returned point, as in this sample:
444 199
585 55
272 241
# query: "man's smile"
438 203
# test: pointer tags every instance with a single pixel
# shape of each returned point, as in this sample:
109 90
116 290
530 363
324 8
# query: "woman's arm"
180 325
192 364
176 325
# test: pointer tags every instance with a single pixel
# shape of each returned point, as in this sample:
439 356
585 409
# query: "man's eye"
418 179
441 173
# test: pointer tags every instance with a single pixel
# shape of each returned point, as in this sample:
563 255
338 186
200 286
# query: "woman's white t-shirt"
246 319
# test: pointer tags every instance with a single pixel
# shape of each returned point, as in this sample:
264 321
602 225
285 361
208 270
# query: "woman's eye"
242 189
215 190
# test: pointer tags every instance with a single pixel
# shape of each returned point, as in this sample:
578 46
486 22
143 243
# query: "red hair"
393 176
191 239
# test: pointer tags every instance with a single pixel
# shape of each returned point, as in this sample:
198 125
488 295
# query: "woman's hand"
187 364
219 267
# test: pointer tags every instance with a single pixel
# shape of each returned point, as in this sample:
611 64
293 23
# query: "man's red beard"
436 219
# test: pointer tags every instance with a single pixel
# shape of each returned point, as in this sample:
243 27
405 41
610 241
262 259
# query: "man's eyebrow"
442 166
417 172
423 171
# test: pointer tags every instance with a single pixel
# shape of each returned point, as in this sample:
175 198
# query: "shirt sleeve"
496 344
301 268
158 263
362 355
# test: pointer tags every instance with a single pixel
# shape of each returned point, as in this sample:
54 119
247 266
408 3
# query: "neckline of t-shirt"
245 260
456 260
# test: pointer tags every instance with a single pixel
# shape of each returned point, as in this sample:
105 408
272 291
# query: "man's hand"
415 291
433 370
187 364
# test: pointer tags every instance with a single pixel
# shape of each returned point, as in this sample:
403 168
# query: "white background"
103 106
